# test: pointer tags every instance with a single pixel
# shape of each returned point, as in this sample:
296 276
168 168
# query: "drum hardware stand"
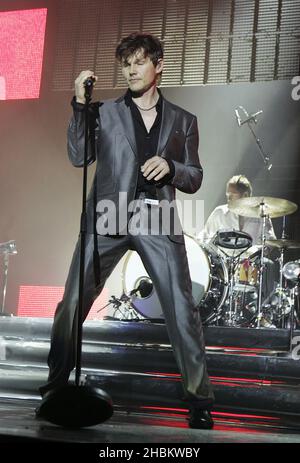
233 261
295 297
6 249
133 314
117 303
262 265
232 266
144 288
130 313
280 288
293 275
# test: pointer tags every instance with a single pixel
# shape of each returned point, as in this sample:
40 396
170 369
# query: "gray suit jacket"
112 144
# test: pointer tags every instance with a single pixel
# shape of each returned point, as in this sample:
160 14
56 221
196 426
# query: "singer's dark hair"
241 183
151 46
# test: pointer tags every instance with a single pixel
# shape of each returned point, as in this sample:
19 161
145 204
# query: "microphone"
88 87
251 117
89 82
144 288
237 116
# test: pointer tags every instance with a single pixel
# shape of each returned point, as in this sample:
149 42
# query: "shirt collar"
228 211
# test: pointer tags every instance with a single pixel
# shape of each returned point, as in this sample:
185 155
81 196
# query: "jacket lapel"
127 123
167 122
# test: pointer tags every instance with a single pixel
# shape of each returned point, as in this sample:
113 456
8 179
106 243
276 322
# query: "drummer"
223 219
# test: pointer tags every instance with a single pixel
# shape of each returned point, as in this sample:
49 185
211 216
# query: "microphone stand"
252 118
79 405
264 155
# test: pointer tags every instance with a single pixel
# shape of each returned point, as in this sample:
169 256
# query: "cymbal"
253 206
283 244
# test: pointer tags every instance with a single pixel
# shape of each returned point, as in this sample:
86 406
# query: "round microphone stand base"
74 406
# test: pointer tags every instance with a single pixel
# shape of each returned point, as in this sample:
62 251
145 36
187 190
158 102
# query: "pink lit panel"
41 301
22 35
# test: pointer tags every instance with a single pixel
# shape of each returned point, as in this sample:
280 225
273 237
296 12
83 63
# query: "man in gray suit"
145 148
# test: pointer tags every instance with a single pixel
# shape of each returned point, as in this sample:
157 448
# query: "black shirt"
146 143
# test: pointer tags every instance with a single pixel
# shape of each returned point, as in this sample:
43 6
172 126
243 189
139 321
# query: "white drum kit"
227 275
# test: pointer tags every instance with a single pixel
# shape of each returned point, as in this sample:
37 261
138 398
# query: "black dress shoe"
200 419
38 414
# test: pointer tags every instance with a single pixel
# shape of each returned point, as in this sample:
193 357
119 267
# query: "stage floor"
18 424
255 380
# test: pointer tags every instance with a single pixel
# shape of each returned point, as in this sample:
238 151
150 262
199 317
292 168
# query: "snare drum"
208 273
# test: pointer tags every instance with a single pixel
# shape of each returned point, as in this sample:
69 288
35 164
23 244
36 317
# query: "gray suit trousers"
167 265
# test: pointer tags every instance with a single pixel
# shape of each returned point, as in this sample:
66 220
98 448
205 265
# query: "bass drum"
209 281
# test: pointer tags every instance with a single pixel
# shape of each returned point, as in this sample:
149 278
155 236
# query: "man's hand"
79 85
155 167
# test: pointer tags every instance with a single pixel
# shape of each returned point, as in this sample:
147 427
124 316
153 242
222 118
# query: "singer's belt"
148 198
